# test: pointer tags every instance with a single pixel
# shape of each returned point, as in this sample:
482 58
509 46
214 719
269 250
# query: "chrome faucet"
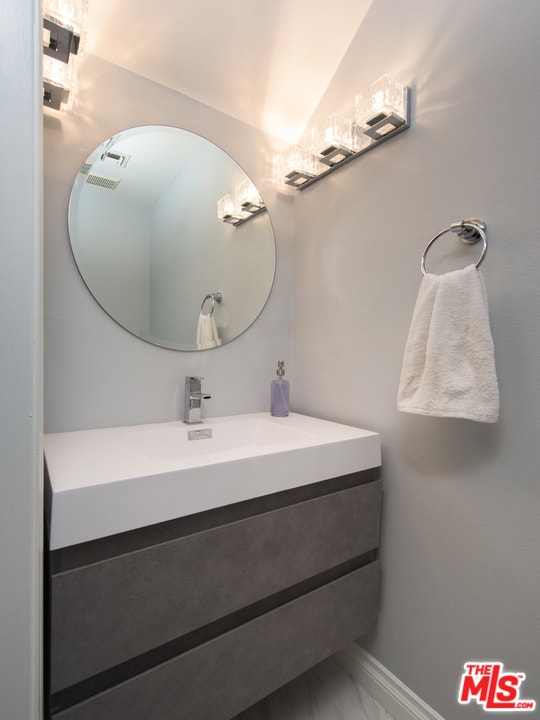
193 397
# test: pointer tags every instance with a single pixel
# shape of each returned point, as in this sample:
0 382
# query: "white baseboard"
384 687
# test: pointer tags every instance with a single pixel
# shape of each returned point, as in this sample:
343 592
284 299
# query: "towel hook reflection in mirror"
469 231
215 298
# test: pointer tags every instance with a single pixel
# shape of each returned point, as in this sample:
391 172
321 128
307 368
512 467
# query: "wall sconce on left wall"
64 32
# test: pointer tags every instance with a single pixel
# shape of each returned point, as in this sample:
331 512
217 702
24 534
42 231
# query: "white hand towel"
449 364
207 334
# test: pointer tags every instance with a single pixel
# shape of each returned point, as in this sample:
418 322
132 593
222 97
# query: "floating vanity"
195 569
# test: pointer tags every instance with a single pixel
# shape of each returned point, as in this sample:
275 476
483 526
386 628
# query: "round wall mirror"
149 244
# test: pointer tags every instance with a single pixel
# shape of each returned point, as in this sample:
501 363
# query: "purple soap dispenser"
279 393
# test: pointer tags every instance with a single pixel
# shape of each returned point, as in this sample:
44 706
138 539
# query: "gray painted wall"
461 535
21 500
96 373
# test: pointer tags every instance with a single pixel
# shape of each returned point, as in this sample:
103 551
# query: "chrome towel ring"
470 232
215 298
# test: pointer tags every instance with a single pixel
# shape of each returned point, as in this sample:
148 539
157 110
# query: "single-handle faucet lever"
193 397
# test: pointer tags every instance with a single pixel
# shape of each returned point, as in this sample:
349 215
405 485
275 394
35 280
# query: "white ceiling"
266 62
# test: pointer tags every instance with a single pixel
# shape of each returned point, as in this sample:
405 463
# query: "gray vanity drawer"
222 677
108 612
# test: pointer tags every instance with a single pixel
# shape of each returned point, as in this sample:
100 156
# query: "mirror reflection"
151 249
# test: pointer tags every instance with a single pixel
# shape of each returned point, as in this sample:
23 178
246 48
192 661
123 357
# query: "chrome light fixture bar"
381 111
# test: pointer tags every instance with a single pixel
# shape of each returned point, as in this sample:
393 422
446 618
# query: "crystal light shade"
64 33
298 165
72 13
381 107
361 140
333 140
60 75
228 210
248 198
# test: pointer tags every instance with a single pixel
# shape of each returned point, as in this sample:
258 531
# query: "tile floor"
326 692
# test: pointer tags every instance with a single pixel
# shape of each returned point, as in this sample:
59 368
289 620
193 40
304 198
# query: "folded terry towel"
449 364
207 334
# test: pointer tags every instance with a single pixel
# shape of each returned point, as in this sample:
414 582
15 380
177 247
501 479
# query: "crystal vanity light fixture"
243 205
381 111
64 32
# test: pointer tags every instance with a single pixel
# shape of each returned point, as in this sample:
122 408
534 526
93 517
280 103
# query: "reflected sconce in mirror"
64 31
245 204
381 111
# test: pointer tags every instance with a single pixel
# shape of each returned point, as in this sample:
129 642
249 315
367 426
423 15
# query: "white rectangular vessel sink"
110 480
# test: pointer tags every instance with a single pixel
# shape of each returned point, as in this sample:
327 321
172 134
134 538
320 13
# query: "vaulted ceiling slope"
265 62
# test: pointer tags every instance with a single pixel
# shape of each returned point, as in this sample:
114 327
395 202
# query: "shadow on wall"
452 446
